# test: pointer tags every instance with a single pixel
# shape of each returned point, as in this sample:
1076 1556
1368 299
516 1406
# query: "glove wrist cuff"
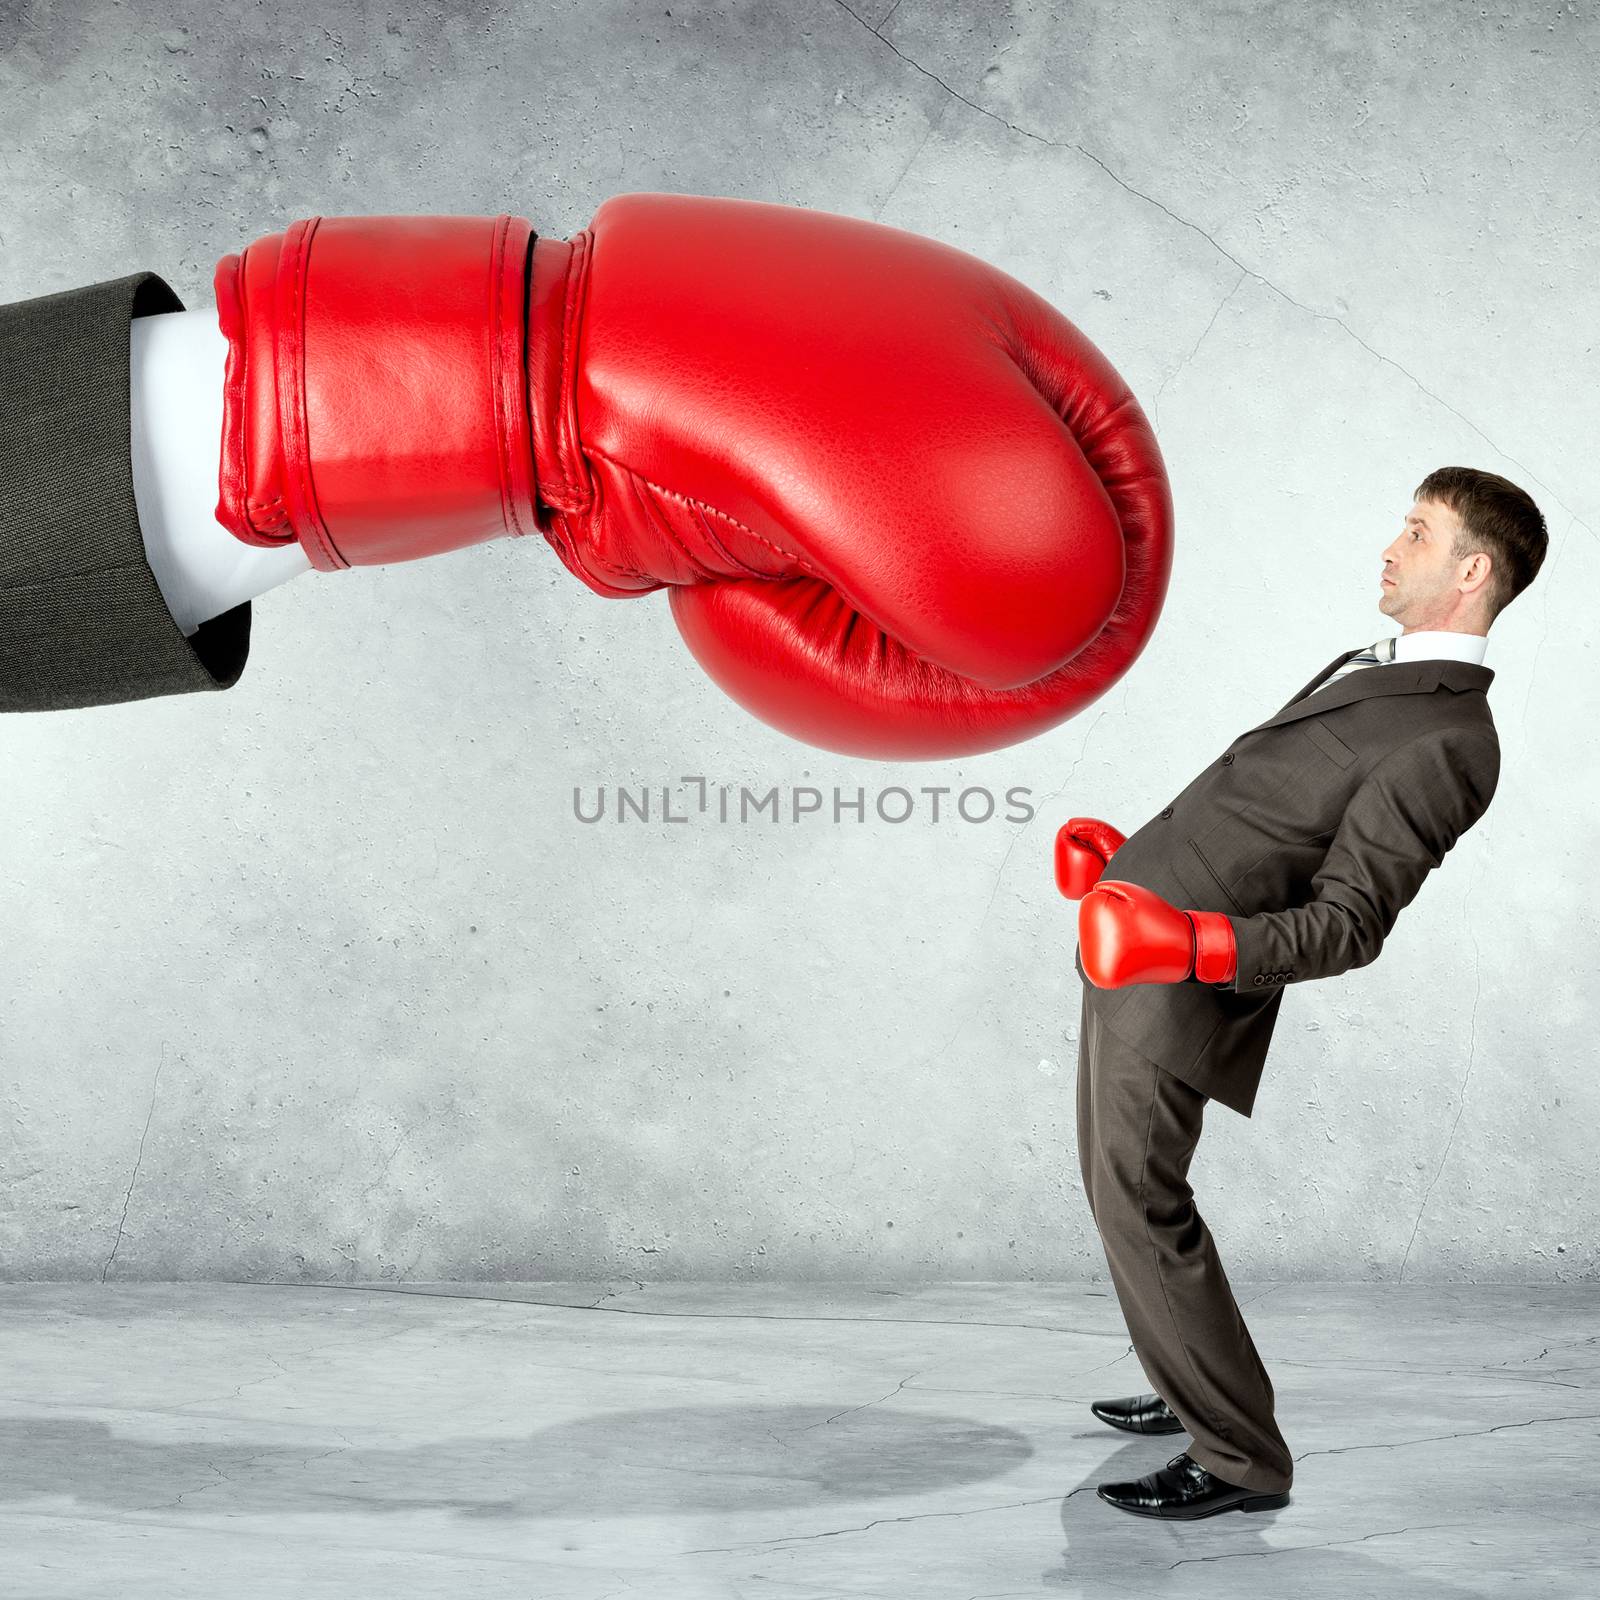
1215 952
375 399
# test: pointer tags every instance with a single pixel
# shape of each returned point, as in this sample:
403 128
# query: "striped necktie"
1373 656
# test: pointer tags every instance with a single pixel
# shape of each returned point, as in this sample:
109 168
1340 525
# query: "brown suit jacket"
1311 832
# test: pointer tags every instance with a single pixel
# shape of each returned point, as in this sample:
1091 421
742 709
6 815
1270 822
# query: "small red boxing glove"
904 508
1083 847
1129 934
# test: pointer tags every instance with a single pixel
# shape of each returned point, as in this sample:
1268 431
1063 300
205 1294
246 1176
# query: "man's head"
1468 547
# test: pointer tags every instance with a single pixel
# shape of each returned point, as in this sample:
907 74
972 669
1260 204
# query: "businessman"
1286 860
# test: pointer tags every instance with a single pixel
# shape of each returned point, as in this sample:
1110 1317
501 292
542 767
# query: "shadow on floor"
689 1459
1106 1548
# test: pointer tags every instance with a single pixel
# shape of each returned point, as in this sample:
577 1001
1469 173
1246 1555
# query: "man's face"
1419 576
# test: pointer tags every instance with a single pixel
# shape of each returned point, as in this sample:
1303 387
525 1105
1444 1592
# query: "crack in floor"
629 1311
878 1522
1326 1544
1440 1438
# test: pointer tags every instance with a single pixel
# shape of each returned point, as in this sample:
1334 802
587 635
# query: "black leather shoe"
1182 1490
1140 1413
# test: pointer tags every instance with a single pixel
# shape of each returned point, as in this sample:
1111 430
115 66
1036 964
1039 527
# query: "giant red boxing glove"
1083 847
905 508
1129 934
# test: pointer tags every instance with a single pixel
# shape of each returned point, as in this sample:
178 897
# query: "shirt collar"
1437 644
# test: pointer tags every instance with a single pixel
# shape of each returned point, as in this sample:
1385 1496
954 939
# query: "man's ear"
1487 568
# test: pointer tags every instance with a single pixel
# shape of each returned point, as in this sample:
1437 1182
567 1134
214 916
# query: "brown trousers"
1137 1130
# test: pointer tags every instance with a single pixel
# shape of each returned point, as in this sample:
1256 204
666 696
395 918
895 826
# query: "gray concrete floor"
678 1441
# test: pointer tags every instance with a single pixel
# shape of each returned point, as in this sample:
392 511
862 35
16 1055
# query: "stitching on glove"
565 544
668 534
269 516
706 509
716 544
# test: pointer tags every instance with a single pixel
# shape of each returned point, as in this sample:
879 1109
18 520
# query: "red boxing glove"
1083 847
1129 934
904 507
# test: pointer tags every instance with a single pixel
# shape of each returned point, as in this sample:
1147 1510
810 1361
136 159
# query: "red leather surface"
904 507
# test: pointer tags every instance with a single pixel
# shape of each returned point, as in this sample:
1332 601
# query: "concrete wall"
460 1033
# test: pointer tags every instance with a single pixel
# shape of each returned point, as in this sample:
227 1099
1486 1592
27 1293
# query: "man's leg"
1085 1103
1138 1127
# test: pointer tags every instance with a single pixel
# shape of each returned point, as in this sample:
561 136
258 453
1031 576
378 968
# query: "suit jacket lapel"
1394 677
1332 666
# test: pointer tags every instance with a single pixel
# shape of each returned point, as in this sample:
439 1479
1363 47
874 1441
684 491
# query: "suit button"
1227 760
1166 811
1258 980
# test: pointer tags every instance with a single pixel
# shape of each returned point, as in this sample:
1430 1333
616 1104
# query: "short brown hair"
1497 518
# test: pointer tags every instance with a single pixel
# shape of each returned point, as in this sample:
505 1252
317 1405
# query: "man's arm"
83 621
1397 828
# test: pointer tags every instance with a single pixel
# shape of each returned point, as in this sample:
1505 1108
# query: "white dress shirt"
175 375
1440 644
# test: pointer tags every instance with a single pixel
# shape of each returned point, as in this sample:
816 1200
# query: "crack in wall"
122 1222
1224 252
1155 405
894 188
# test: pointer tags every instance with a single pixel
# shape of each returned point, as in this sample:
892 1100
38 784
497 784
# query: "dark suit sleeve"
1397 828
82 619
